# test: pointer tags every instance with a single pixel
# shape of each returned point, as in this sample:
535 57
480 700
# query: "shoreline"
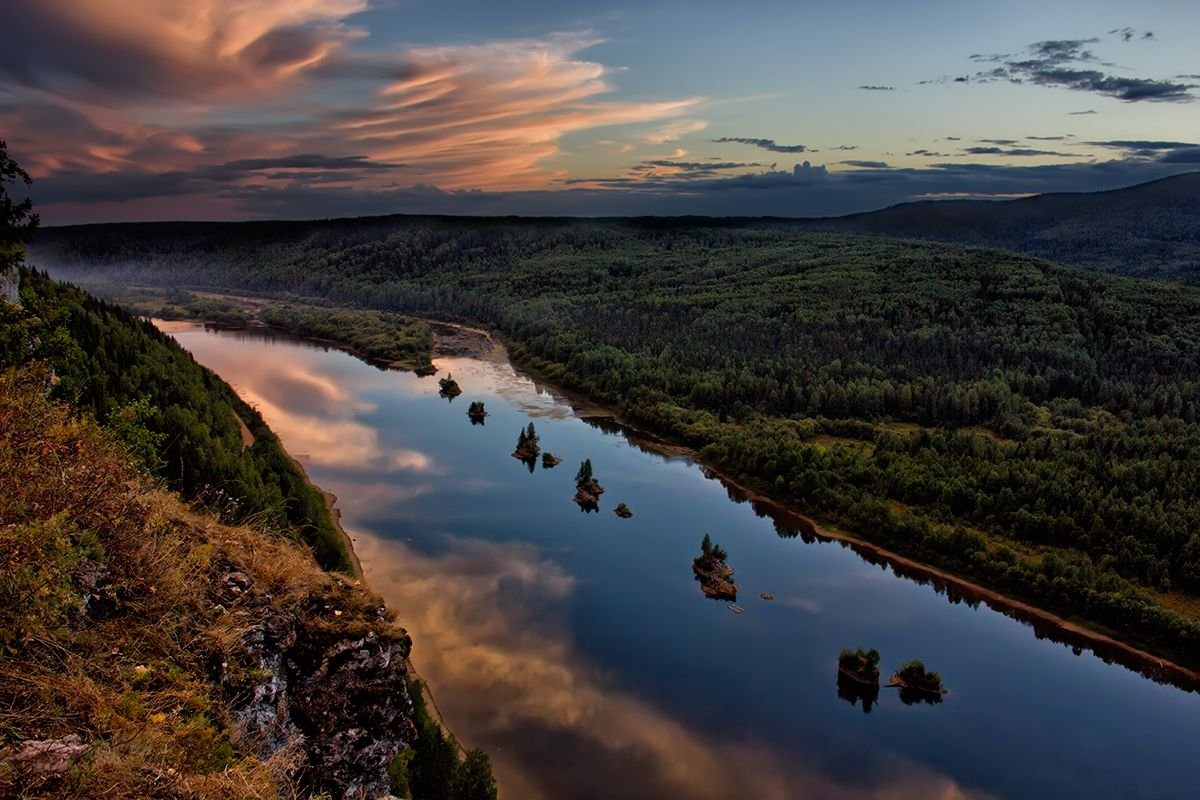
335 516
1045 623
1072 634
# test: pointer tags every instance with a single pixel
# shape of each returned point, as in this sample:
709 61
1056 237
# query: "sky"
244 109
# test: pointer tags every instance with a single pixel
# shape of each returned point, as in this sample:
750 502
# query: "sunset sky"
231 109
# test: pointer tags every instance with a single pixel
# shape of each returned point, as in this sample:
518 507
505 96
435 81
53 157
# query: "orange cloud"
486 116
142 91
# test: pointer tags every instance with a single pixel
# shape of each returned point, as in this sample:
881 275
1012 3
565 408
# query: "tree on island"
858 677
715 576
477 412
587 488
862 664
527 447
710 549
916 683
449 387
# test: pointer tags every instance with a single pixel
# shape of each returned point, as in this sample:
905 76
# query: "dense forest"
1033 426
183 422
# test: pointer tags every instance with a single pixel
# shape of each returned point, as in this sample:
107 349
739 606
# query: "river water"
578 651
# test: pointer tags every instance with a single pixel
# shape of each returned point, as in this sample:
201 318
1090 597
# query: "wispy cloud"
1013 151
873 88
143 101
765 144
1058 63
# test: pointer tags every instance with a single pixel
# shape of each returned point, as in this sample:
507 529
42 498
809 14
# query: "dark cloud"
765 144
928 154
1013 151
1127 34
845 147
1142 144
238 168
871 88
999 141
1187 155
695 166
1054 63
1165 152
866 164
1081 113
1050 138
805 191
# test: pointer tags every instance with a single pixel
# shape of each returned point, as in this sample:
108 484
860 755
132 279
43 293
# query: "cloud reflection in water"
489 622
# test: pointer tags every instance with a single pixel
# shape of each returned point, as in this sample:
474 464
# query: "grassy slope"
131 674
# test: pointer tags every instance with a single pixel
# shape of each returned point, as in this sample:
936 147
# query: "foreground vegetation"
187 425
107 625
1033 427
146 648
137 636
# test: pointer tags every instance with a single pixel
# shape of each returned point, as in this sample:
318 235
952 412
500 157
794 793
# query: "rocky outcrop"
326 679
716 577
550 461
622 511
587 494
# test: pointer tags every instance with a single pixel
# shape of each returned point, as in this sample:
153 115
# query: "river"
578 651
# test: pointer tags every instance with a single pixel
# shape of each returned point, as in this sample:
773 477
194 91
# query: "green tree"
585 472
474 780
17 220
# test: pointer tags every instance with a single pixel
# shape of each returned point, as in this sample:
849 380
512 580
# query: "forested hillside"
1033 426
183 422
1151 230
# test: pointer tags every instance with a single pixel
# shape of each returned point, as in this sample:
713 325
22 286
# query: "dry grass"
107 617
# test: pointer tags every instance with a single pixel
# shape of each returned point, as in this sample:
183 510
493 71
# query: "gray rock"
47 757
342 699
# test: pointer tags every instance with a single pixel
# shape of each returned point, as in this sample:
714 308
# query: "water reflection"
577 649
319 419
853 693
489 620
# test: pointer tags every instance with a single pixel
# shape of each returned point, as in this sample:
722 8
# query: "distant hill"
1151 230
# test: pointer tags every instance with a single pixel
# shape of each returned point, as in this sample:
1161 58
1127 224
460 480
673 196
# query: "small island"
587 488
859 666
550 461
917 684
622 511
528 447
476 412
715 576
449 387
